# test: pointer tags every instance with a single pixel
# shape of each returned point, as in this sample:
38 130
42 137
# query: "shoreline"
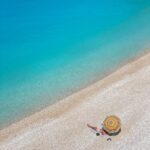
65 105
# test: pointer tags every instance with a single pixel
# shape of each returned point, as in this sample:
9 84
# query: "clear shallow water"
49 49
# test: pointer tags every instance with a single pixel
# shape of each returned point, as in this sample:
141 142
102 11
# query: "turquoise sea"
52 48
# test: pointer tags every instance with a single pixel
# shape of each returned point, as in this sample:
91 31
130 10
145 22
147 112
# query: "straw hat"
112 124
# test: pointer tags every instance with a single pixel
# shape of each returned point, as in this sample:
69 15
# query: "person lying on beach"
98 130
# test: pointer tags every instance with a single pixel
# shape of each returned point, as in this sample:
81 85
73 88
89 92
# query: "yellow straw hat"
112 124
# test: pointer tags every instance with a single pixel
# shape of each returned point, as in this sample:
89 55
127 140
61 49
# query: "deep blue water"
51 48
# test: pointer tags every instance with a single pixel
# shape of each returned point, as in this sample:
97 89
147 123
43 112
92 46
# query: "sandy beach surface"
62 126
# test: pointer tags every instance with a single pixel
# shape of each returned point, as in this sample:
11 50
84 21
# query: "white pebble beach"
62 126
